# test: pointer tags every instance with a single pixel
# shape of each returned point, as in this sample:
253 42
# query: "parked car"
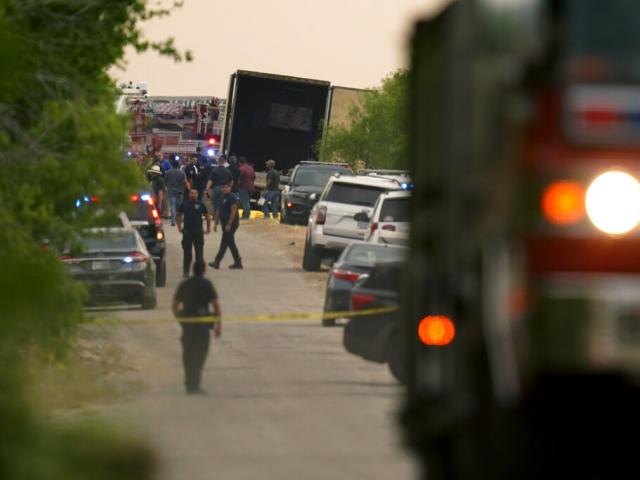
389 222
356 260
332 224
144 216
115 266
377 337
303 188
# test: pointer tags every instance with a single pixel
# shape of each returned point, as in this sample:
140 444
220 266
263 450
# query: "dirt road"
285 400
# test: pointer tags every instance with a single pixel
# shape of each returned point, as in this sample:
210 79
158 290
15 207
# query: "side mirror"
361 217
284 180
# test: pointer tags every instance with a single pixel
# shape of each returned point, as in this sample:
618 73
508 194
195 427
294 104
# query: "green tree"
60 139
376 134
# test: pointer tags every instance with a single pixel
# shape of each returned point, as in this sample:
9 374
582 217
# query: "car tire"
312 257
328 322
149 303
161 275
396 360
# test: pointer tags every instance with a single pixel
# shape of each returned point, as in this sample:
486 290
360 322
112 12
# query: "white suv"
332 224
389 222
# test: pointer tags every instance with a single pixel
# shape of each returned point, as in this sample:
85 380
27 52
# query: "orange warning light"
563 202
436 330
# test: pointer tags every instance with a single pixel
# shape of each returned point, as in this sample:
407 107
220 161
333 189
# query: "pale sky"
352 43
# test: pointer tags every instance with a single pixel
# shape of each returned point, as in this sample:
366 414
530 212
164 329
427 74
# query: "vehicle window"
354 194
606 33
395 210
141 211
369 255
316 177
109 241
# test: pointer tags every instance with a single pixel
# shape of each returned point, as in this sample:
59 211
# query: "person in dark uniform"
192 236
227 216
196 297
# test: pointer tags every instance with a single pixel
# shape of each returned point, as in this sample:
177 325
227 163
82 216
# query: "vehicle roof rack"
382 171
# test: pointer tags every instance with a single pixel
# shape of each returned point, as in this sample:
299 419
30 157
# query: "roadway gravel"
285 401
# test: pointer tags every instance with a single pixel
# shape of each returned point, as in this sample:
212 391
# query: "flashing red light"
213 141
289 205
135 198
601 117
360 300
346 275
436 330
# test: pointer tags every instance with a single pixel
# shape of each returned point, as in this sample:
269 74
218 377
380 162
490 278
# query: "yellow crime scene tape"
271 317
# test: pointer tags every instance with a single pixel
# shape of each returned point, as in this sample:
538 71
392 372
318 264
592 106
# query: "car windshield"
316 176
371 254
363 195
99 241
604 37
395 210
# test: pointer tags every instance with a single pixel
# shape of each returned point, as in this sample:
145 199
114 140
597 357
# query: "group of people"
198 190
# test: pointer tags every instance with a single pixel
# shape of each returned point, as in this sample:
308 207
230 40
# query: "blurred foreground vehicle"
389 222
145 217
522 322
303 188
376 337
115 266
356 261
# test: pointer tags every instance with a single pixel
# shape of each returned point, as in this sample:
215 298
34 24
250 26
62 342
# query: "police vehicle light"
212 141
436 330
177 157
407 186
145 197
78 203
210 152
613 202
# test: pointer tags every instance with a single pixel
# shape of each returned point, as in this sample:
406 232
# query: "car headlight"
613 202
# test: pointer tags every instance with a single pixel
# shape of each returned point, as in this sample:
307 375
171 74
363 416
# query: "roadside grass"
93 371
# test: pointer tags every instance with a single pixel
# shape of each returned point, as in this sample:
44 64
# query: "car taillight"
361 300
135 257
373 227
159 235
389 228
346 275
289 204
68 259
321 216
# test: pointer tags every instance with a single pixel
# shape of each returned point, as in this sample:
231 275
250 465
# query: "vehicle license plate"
100 265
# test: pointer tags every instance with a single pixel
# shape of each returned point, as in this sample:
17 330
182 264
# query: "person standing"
227 216
235 173
175 181
156 182
246 186
219 175
272 190
191 172
196 298
192 236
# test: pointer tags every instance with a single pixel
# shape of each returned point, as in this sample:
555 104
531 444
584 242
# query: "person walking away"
272 190
219 175
175 181
227 217
246 186
192 212
196 298
156 183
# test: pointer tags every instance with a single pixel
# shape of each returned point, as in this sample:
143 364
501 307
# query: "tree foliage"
376 133
60 139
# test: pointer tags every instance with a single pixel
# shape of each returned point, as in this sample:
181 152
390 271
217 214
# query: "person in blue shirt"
227 216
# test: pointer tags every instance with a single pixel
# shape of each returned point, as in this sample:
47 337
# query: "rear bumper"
370 337
120 290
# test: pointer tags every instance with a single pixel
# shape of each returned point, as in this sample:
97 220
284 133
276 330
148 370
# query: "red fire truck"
522 300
